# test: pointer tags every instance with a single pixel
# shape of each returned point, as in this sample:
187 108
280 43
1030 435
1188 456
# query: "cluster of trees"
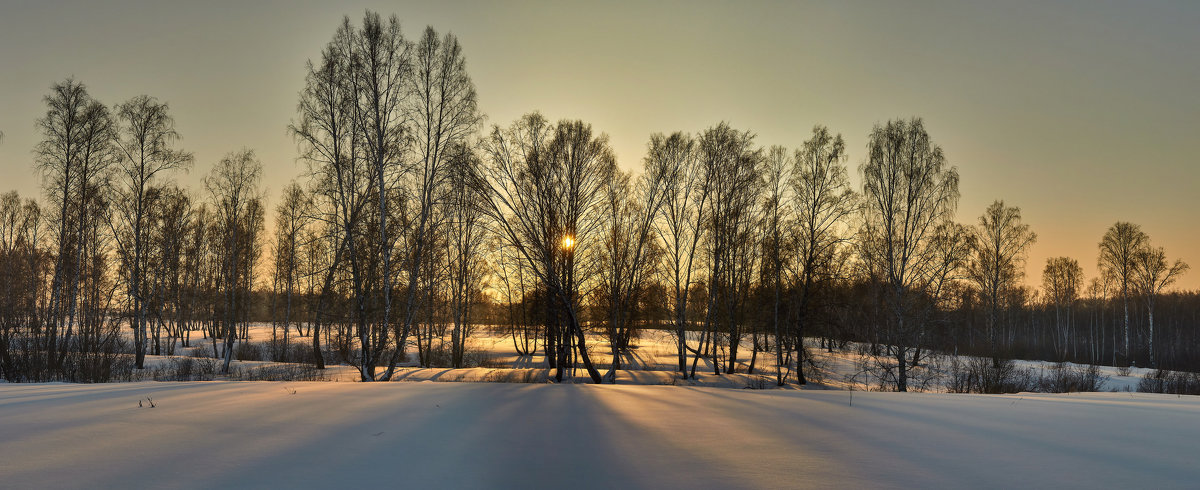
413 222
118 244
384 124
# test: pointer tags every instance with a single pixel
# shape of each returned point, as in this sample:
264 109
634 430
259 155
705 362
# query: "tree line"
415 222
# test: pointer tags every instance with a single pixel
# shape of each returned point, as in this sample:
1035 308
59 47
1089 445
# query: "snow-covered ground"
653 362
527 432
492 435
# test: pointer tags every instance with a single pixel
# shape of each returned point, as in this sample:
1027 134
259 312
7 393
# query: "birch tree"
1001 243
1118 259
778 166
382 65
1062 282
909 189
341 178
680 229
74 156
1152 274
465 232
546 182
730 157
821 203
233 187
23 273
442 110
291 223
147 149
629 253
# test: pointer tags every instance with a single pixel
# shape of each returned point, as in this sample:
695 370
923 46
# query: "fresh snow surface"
500 435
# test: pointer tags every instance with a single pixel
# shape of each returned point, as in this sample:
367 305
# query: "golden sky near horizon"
1082 113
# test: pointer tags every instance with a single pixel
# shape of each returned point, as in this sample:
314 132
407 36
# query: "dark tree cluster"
415 226
118 247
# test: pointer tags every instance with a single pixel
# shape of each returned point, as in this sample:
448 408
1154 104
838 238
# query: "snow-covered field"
653 362
492 435
527 432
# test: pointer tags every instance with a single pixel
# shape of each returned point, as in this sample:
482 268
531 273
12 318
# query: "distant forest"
414 221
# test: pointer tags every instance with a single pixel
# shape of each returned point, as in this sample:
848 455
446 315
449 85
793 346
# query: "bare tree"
1118 259
1062 280
821 202
546 182
233 186
1001 243
1152 274
23 272
519 297
376 119
465 242
201 271
628 254
680 229
74 156
951 247
146 143
382 63
1098 293
730 157
291 221
777 168
443 112
909 191
325 132
170 215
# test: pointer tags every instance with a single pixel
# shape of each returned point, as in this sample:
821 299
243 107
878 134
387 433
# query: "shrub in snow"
185 369
882 372
1062 378
1162 381
26 360
759 383
278 372
248 351
981 375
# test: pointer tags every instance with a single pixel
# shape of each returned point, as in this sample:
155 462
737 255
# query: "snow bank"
475 435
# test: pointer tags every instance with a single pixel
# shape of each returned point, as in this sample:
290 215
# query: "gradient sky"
1081 113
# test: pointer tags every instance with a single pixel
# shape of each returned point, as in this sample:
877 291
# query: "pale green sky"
1081 113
